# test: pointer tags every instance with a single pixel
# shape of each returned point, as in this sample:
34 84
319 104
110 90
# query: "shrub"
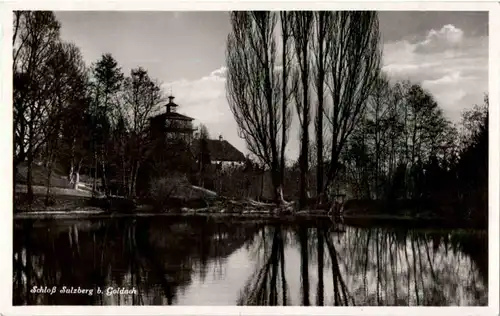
164 189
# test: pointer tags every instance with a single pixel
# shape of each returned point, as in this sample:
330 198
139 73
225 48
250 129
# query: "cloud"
221 73
452 66
448 37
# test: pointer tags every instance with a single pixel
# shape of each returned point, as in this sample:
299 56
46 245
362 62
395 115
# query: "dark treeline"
404 147
360 134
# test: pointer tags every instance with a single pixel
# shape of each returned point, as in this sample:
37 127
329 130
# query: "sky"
446 52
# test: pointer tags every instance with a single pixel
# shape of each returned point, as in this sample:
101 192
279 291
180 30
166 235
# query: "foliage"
163 189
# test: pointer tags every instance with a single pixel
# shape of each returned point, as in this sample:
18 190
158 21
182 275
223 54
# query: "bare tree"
140 96
321 49
253 88
65 71
378 125
302 30
286 59
105 83
35 36
355 66
203 155
204 134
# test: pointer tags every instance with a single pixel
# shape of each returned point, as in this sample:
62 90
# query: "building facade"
172 127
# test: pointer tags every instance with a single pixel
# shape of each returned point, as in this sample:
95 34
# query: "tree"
204 134
106 82
253 88
76 137
36 35
321 48
203 158
302 30
286 58
67 74
355 66
472 167
473 121
140 96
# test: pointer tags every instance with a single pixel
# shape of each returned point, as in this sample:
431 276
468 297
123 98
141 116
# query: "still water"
164 261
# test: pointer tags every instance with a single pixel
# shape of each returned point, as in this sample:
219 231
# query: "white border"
6 307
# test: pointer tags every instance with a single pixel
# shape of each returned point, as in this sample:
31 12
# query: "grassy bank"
59 203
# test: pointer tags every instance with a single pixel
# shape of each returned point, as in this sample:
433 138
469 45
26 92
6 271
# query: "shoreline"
359 220
77 207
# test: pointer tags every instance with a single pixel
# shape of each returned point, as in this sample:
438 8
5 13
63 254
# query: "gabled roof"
220 150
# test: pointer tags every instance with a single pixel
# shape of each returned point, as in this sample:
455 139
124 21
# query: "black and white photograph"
326 158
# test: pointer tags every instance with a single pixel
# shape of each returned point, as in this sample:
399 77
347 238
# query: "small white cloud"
221 72
448 32
448 37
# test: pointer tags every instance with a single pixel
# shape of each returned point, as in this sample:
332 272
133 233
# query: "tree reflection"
158 258
369 267
320 296
266 286
161 259
397 268
340 291
304 264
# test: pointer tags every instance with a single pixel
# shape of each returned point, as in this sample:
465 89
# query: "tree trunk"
284 99
103 176
278 188
94 182
131 179
77 178
71 175
320 109
303 176
124 185
29 176
134 179
303 51
263 174
49 176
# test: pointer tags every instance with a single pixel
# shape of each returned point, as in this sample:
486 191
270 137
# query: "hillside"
59 178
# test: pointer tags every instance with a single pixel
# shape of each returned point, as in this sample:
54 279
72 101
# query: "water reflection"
208 262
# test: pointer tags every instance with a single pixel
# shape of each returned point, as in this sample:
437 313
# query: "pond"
203 261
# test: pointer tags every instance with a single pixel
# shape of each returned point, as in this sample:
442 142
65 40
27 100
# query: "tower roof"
172 115
171 101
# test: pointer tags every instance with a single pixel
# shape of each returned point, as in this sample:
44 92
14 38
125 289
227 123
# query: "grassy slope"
58 177
67 197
